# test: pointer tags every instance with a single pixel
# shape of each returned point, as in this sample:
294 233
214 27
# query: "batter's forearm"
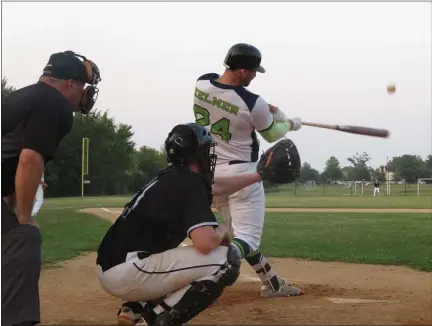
277 130
229 185
27 179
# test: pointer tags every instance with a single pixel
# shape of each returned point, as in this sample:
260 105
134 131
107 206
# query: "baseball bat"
366 131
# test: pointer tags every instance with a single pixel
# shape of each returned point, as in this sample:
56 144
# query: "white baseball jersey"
233 115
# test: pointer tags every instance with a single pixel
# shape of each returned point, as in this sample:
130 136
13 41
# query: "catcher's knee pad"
199 297
229 273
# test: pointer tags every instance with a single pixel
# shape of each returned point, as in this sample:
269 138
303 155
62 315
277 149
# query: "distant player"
234 116
139 259
376 188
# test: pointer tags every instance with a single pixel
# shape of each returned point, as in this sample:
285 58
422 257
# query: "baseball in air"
391 88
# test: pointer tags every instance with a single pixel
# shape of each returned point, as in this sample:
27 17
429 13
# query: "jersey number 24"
220 127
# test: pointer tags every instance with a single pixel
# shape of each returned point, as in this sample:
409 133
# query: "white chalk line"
109 211
249 278
353 300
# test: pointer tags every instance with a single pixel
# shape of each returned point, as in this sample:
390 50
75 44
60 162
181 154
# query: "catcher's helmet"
244 56
192 143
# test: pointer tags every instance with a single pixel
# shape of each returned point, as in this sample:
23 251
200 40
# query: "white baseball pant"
37 203
243 211
39 199
376 190
169 272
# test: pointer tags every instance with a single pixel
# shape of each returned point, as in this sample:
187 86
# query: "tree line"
406 167
118 166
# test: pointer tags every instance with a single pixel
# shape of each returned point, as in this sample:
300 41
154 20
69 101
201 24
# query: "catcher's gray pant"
21 265
170 272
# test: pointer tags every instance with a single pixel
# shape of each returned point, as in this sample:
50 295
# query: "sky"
325 62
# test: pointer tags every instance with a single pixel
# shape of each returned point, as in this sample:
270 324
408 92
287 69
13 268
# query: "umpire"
34 119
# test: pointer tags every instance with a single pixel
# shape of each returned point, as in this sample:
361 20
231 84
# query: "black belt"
107 266
237 162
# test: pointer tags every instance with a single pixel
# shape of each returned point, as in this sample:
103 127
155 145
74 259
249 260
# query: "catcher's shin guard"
201 294
198 297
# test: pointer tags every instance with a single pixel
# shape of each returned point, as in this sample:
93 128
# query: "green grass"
376 238
66 234
86 202
279 199
380 238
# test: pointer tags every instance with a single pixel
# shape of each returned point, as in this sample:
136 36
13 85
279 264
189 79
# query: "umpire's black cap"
65 65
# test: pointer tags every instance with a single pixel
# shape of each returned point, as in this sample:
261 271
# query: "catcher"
139 260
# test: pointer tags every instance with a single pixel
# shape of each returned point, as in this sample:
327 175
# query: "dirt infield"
353 210
71 294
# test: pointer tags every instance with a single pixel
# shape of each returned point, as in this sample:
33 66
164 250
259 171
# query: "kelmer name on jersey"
232 114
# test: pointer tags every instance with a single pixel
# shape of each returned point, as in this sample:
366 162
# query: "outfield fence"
352 188
300 189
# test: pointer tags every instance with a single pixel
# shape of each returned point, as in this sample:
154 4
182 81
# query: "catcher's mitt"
280 163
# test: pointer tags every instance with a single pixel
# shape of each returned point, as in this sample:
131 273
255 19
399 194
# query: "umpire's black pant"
21 265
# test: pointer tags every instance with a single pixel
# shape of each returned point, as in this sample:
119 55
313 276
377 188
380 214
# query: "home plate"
346 300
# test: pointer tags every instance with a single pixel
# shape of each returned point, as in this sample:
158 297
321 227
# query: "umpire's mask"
70 65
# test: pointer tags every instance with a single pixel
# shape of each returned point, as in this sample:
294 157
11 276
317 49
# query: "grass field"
280 200
67 235
272 200
374 238
378 238
381 238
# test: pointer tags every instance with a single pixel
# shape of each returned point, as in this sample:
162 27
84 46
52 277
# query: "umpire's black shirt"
159 217
35 117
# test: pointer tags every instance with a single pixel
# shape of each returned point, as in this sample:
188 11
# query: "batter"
234 115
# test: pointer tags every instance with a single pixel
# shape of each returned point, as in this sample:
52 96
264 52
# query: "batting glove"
295 123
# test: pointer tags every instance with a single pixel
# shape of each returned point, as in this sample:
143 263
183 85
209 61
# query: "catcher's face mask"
89 97
184 147
208 160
